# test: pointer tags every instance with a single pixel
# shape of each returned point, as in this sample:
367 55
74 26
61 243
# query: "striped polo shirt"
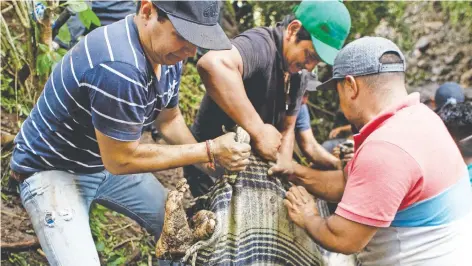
104 82
408 179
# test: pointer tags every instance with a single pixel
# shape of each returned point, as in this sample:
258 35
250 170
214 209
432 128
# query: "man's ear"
292 29
352 88
146 9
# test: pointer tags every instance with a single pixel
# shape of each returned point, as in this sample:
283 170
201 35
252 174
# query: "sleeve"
380 178
117 93
175 84
255 49
303 119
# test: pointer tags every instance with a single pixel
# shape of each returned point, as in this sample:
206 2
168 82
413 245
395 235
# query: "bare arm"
284 158
221 72
315 152
171 125
327 185
335 233
120 157
173 129
338 234
336 131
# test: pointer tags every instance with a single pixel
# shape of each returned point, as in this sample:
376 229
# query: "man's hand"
267 142
231 154
300 205
336 131
282 167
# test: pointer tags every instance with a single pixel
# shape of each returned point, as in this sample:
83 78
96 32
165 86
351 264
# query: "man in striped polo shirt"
404 198
81 141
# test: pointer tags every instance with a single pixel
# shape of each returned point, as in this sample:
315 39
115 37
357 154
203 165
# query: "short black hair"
458 119
302 34
160 14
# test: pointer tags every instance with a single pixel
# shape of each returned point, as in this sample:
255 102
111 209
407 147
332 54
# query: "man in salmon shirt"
404 198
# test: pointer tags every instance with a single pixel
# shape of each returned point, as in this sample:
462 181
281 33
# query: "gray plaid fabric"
253 227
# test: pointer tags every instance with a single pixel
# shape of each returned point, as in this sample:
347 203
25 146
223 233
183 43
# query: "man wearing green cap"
249 84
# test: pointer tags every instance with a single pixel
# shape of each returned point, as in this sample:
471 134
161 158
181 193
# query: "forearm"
327 185
286 148
319 230
346 128
224 84
288 137
154 157
319 156
175 131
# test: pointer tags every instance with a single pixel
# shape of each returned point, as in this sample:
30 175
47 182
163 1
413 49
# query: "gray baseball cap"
309 80
362 57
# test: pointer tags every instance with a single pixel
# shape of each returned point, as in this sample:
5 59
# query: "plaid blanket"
253 227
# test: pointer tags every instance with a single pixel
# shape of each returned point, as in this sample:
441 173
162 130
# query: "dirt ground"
19 246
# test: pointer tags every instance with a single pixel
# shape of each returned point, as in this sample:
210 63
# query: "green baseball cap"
328 23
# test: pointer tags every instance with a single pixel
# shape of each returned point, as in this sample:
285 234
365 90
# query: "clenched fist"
267 142
230 154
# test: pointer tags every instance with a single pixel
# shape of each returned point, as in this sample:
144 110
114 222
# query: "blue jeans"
58 204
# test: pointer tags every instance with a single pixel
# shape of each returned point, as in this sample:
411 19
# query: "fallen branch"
321 109
6 9
13 215
22 245
121 228
41 252
125 241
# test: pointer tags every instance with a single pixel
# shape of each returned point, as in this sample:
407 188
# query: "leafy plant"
191 93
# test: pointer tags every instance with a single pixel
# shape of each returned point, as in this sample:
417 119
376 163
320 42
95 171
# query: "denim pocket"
31 187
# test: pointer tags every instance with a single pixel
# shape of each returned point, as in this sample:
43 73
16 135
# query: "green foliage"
47 59
85 13
191 93
64 34
272 12
88 18
366 15
77 5
108 242
458 11
14 100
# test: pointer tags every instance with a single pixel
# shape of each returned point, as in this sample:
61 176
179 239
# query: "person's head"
369 75
458 120
449 92
308 83
170 31
315 33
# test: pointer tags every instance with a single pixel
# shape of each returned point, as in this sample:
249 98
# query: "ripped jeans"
58 204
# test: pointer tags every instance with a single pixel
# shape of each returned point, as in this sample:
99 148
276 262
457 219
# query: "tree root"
21 245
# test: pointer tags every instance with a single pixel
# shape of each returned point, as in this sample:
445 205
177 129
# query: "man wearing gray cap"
402 201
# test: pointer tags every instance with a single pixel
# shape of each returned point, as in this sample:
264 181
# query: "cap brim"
326 52
203 36
328 85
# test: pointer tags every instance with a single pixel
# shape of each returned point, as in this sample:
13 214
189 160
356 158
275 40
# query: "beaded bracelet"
211 157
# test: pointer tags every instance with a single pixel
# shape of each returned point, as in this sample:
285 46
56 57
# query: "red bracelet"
210 155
